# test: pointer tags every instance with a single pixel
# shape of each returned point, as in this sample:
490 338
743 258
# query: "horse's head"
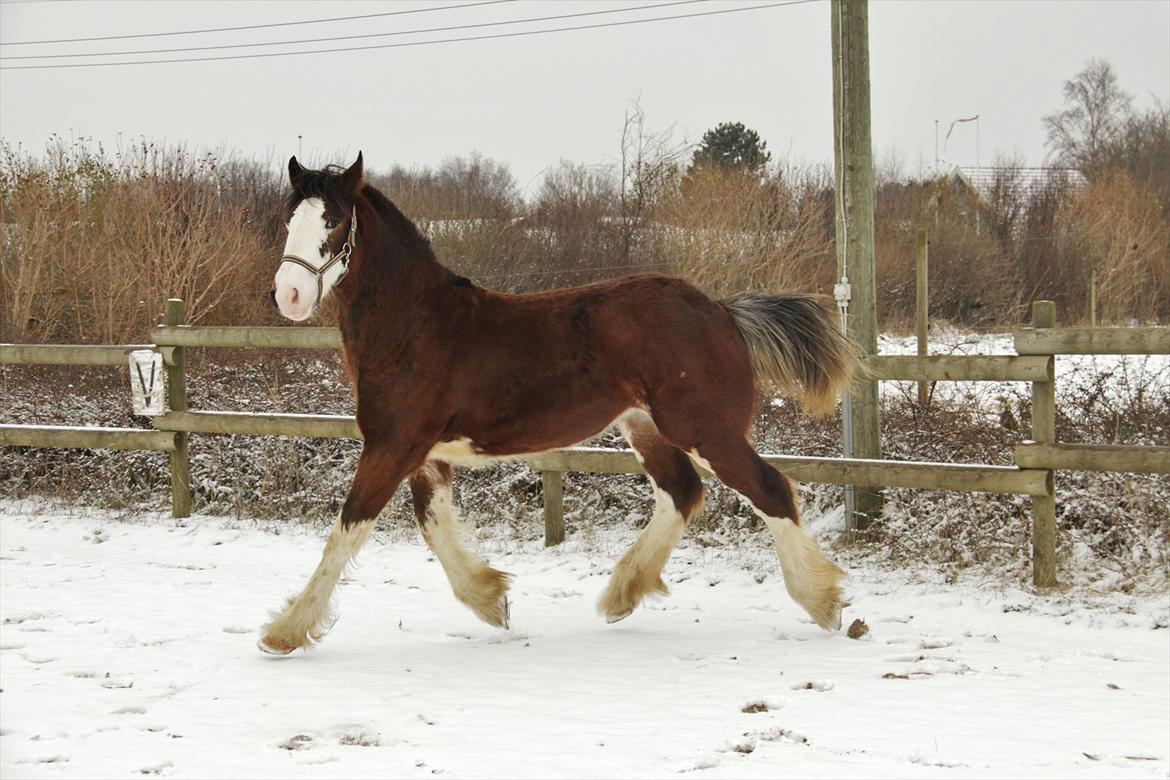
322 227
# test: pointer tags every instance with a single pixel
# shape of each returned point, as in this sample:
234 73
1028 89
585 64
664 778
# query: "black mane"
326 185
407 231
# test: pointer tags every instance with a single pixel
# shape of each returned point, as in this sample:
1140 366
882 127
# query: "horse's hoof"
618 618
271 645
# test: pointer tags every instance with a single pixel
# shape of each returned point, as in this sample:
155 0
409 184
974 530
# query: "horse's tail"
795 344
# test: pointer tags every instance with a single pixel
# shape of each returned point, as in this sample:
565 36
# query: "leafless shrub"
729 230
93 245
1115 226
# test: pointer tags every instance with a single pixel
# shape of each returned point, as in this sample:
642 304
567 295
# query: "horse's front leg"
307 616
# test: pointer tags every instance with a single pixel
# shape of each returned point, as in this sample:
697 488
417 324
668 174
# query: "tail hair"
795 345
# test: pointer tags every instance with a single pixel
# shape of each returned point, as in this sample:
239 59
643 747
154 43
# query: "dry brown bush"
93 245
728 231
1116 227
970 270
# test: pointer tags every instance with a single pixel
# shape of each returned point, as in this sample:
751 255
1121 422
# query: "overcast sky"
530 101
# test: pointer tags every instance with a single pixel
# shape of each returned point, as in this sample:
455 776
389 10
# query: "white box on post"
148 383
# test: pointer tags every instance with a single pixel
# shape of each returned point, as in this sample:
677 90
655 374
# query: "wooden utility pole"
853 155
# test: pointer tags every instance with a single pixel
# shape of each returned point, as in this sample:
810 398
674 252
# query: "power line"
255 26
414 43
353 37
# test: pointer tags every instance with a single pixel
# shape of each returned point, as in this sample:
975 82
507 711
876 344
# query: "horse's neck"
401 287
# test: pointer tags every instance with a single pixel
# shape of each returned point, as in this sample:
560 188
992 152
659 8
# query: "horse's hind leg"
483 589
678 496
812 580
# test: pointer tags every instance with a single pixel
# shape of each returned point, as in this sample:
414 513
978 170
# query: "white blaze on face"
296 288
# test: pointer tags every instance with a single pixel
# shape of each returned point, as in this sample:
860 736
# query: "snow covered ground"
127 649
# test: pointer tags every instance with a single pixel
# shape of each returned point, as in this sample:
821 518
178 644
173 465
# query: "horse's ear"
351 180
294 169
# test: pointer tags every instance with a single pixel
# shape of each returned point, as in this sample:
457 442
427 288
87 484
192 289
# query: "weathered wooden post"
177 401
1044 430
554 508
1093 298
921 327
853 157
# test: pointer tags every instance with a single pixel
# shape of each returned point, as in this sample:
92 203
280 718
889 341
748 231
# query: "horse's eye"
330 224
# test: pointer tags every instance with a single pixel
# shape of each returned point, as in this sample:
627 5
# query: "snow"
127 649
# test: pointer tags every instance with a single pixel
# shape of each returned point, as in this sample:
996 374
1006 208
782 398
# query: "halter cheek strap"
341 257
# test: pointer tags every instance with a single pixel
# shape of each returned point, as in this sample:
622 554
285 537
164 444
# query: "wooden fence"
1033 475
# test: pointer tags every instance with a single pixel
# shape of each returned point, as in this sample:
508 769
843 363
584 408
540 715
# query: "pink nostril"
295 294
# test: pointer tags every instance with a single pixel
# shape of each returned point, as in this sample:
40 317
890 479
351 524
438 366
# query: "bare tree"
1095 112
649 164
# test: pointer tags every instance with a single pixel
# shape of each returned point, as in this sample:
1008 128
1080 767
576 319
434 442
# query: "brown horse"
448 373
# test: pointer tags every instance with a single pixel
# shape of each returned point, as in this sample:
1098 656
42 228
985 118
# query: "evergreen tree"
730 145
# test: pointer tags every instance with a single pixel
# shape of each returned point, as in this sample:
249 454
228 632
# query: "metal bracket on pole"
843 292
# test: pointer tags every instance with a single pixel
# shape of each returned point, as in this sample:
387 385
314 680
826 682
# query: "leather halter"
341 257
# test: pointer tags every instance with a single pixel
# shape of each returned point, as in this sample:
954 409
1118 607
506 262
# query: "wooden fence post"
920 310
177 401
1093 298
554 508
1044 430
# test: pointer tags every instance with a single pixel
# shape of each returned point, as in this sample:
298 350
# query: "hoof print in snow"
48 760
934 643
361 739
814 685
15 620
857 629
895 676
156 770
299 742
779 734
111 682
762 705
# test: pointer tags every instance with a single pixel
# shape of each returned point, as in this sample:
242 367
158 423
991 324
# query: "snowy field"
127 649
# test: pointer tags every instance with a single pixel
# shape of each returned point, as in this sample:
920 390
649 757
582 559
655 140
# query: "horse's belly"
526 434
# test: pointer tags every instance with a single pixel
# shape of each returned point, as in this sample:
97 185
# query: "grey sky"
531 101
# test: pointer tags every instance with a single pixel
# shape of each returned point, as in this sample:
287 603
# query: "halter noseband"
341 257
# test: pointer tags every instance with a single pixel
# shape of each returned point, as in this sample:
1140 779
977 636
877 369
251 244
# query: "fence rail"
966 368
323 426
1093 457
81 437
1093 341
245 338
1033 475
68 354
